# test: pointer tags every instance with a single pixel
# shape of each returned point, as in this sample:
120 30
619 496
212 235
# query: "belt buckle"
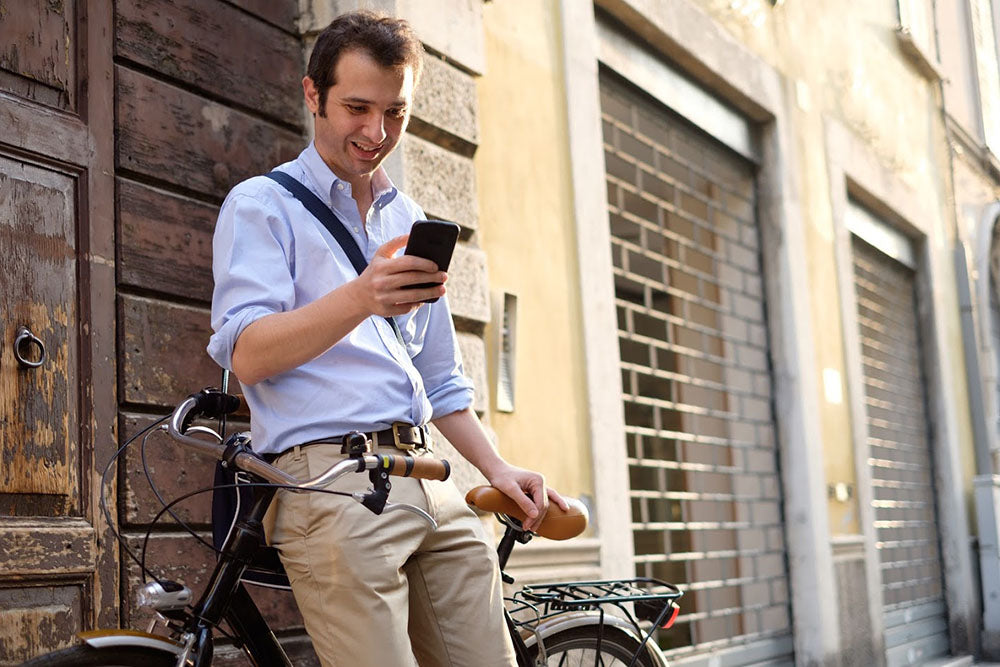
405 446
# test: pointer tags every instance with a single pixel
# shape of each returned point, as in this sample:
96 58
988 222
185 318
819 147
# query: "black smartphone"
434 240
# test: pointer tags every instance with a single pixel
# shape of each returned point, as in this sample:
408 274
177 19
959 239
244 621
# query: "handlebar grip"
213 403
421 468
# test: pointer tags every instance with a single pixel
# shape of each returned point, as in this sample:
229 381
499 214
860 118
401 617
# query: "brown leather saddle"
558 524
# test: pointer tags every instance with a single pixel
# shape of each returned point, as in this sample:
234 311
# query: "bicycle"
563 623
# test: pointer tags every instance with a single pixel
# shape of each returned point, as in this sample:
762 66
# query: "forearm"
466 434
526 488
282 341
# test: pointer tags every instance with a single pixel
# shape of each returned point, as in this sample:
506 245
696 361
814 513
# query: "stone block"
468 287
442 182
456 33
317 14
445 104
474 359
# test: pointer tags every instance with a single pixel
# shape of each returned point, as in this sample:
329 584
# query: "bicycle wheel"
108 656
577 647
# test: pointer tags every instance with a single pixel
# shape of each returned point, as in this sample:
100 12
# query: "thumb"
389 248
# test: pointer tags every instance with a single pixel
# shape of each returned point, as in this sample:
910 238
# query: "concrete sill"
929 67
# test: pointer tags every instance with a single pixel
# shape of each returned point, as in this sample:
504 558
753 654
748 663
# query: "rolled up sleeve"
253 275
440 364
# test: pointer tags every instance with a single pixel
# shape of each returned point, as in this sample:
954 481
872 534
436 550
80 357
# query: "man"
309 341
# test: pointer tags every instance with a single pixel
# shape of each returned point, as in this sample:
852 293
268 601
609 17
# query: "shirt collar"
383 191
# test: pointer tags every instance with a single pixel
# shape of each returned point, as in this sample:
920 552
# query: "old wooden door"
58 565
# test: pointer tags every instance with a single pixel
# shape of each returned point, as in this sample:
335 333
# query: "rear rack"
653 599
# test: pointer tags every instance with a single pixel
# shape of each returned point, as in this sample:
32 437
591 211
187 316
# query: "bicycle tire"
107 656
575 647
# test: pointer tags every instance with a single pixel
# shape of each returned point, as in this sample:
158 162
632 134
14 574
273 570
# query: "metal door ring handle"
26 338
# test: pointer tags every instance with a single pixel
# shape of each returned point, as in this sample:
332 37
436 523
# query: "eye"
356 108
396 112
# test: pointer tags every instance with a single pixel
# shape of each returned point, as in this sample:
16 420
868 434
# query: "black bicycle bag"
231 500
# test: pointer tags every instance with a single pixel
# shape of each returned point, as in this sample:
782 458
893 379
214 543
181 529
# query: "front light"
163 596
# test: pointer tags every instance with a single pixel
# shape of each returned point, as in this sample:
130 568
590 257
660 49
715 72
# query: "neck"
361 185
362 193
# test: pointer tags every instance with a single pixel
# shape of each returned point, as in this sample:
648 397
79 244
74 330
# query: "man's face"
366 113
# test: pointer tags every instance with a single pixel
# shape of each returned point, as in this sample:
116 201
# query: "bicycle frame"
225 596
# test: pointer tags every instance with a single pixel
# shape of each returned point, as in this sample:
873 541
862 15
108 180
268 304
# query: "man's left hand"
527 488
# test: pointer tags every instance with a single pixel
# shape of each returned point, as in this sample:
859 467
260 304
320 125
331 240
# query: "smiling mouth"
367 148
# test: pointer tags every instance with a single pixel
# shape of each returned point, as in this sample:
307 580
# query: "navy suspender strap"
333 224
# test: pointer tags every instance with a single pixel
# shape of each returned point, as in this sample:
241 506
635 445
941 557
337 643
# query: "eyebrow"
401 102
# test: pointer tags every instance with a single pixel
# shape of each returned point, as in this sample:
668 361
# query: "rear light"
673 616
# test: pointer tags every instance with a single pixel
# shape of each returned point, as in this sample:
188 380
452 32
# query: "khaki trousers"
389 591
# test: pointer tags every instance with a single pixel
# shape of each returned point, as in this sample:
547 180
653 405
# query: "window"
987 71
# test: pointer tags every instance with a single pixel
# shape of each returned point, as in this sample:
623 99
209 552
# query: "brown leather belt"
400 435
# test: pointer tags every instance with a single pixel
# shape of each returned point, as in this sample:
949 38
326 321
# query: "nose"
374 128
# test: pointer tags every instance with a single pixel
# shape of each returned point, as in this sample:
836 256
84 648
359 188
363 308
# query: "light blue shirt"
271 255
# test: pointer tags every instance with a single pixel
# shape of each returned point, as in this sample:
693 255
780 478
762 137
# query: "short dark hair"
391 43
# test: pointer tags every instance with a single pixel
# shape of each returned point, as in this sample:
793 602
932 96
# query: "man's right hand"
380 288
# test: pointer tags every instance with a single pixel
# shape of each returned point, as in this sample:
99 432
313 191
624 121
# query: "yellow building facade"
871 177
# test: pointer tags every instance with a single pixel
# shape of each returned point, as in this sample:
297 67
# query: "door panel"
36 618
37 62
56 279
37 232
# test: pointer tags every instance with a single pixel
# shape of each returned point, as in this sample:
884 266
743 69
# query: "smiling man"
321 351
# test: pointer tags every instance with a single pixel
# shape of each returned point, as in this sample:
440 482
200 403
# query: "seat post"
506 546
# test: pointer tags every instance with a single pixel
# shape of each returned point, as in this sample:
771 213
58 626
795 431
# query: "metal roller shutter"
916 627
704 481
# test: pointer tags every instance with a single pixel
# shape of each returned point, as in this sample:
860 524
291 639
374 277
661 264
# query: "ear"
311 94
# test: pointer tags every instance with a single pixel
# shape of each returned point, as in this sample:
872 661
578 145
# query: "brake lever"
195 429
397 507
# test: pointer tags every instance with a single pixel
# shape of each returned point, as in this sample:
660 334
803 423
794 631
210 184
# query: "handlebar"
213 403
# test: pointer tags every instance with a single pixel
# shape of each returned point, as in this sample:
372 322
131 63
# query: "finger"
406 264
392 246
534 492
398 280
404 297
558 499
526 504
542 503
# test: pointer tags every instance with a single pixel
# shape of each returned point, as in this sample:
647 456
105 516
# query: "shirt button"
356 230
340 186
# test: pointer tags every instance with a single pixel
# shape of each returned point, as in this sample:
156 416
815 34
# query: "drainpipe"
986 485
977 405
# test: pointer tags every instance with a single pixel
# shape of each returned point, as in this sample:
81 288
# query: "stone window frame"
856 173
